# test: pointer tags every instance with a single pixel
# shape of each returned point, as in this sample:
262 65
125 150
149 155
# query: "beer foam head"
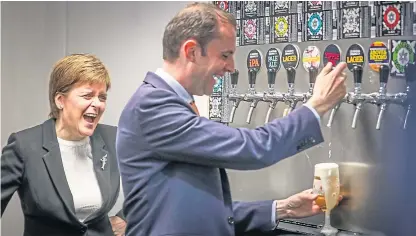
326 166
326 169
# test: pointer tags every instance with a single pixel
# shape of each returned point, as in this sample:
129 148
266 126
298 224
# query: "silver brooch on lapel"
103 161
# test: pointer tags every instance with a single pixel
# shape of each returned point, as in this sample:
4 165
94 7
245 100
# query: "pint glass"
326 185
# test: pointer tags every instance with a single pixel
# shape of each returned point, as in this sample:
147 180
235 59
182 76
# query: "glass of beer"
326 185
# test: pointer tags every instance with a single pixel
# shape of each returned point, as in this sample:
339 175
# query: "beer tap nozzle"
233 95
382 99
290 96
271 78
251 96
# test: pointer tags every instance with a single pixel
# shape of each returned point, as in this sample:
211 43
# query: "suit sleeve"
175 133
253 216
12 168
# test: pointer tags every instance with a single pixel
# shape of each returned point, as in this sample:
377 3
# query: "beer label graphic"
273 59
403 52
290 56
350 22
378 54
311 57
354 56
281 27
222 5
332 53
281 7
250 9
254 60
250 32
391 20
218 86
314 26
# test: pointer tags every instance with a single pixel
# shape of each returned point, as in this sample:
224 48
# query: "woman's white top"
80 175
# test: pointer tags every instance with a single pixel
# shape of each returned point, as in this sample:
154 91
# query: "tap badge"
391 20
254 60
311 57
273 59
290 56
378 54
403 52
354 56
332 53
315 25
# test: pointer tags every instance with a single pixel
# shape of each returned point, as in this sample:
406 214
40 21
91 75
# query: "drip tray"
291 227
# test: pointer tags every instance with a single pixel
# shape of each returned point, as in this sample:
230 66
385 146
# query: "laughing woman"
65 170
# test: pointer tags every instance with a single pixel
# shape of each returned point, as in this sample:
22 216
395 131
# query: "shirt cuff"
314 112
274 221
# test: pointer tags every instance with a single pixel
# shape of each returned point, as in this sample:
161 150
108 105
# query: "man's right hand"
329 89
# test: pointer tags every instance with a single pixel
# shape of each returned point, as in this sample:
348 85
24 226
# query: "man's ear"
190 48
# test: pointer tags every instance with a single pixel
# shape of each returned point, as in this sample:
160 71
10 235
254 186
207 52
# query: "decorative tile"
215 108
217 91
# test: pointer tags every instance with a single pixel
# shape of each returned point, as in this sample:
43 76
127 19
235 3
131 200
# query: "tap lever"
384 74
358 74
271 77
291 75
410 69
313 73
234 77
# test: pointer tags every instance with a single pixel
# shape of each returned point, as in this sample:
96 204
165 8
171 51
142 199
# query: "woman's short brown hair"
72 70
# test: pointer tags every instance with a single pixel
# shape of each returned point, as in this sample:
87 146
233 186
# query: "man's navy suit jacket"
172 164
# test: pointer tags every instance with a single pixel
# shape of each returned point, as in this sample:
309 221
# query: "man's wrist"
320 107
281 209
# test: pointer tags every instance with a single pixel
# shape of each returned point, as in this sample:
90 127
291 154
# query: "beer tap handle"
313 73
357 71
234 78
252 75
409 69
291 75
250 113
271 77
384 74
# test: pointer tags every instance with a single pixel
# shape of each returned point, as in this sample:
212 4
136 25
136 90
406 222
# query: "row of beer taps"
291 98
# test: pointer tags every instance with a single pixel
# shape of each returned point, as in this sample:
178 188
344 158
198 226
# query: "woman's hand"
118 225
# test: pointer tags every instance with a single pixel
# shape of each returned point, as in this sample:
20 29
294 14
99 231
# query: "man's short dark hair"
198 21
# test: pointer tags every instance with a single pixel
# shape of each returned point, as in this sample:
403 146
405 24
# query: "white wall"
127 36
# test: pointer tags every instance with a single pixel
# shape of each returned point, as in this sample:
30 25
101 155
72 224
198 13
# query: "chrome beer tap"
290 97
271 96
381 98
234 96
253 66
313 73
357 98
252 96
